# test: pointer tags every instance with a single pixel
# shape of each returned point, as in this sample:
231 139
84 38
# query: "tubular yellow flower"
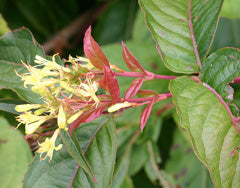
26 107
40 111
32 122
88 90
49 146
88 65
74 117
119 106
40 60
40 89
66 86
28 117
50 64
62 122
30 128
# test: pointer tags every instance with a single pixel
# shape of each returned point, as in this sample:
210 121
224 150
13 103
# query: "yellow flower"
32 122
26 107
88 90
28 117
31 127
88 65
66 86
52 65
49 146
40 111
39 79
119 106
40 89
62 122
74 117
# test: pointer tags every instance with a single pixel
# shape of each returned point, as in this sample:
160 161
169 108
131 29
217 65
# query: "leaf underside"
175 33
209 125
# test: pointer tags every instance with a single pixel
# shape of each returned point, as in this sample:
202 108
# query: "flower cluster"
70 92
65 92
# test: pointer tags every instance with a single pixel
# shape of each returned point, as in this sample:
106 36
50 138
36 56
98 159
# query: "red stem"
160 97
141 74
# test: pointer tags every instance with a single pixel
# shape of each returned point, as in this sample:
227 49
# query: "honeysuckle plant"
77 111
69 93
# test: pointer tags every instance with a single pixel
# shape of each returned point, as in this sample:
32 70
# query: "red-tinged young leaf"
110 84
88 115
146 113
131 60
134 88
103 82
93 51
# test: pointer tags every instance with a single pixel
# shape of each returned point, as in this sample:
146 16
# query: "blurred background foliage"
162 152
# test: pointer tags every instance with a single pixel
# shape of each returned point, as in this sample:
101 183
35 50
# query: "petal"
61 118
119 106
74 117
31 127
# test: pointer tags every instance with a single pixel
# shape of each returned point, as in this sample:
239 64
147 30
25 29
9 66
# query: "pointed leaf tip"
146 113
131 61
93 51
134 88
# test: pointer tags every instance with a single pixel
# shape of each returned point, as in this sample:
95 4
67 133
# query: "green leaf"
99 146
220 68
231 9
3 26
185 167
100 154
14 47
74 149
213 136
15 155
183 30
